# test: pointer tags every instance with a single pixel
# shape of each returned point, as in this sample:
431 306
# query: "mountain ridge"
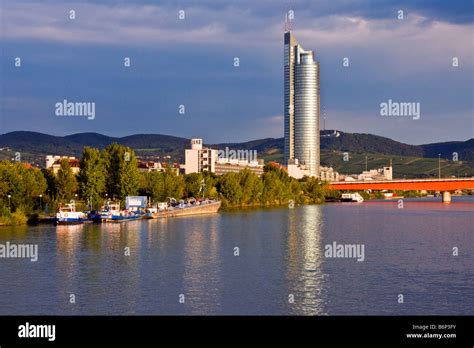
41 143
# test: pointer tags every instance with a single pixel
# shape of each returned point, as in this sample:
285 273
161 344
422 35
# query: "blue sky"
190 61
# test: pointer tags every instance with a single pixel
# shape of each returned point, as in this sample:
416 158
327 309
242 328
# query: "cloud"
416 43
389 58
254 24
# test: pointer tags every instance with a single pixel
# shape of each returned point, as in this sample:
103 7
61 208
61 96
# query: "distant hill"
40 144
367 144
91 139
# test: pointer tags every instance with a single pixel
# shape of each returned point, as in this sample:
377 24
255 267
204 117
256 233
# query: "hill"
34 146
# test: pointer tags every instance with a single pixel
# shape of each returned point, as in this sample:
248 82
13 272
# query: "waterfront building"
385 173
226 165
328 174
301 107
199 158
297 170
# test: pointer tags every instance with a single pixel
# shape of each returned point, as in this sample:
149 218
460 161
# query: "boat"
390 195
94 216
183 208
112 213
352 197
124 215
67 215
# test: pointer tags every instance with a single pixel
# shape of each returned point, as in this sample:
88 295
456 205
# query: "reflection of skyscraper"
301 105
306 277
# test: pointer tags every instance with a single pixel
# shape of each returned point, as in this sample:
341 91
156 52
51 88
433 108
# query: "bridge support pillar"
446 197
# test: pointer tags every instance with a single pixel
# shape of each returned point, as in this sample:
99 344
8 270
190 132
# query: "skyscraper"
302 106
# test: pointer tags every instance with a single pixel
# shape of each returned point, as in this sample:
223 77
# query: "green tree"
251 186
229 188
154 186
92 176
121 166
66 182
23 184
314 189
193 183
274 191
210 182
174 185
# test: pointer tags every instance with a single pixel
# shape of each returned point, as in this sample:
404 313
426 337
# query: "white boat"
352 197
68 215
390 195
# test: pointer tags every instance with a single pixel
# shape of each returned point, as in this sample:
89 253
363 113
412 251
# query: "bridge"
442 185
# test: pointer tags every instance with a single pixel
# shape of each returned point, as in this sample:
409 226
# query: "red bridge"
442 185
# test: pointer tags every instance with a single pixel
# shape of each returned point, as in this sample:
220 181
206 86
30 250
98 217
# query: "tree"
229 187
154 186
314 189
251 186
193 184
23 184
92 176
173 184
274 190
210 181
66 182
122 171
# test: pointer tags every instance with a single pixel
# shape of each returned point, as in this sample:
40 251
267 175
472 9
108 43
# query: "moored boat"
67 215
352 197
391 195
192 207
112 213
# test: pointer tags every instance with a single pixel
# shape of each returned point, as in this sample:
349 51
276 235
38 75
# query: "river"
257 261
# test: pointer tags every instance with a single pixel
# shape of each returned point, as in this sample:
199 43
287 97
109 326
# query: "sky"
190 61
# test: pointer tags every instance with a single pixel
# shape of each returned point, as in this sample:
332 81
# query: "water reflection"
201 277
304 259
67 261
91 256
282 253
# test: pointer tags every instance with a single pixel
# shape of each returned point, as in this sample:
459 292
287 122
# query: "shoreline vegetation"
28 194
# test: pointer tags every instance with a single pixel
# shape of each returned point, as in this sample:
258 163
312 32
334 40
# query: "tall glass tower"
302 106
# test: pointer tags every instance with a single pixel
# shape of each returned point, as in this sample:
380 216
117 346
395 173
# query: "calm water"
407 251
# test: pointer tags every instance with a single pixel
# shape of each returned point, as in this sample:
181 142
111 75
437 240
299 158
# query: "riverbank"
14 219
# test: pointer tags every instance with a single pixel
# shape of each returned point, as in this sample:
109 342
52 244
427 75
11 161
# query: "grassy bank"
14 219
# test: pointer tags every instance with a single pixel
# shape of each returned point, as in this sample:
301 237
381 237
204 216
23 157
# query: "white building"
297 170
199 159
229 165
328 174
385 173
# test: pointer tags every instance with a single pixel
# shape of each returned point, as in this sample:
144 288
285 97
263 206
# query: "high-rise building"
302 106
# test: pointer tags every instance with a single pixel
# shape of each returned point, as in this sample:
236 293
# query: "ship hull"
70 221
209 208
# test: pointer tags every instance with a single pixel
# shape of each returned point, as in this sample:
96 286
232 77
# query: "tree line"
112 173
